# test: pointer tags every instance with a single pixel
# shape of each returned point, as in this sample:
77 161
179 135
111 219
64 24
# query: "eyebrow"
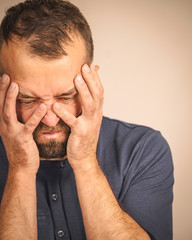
71 91
24 95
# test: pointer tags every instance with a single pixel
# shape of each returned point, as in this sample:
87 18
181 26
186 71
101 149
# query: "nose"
50 119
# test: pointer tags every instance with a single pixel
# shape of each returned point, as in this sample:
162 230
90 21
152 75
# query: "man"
67 172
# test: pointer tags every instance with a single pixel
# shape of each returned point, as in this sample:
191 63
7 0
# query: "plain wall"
144 49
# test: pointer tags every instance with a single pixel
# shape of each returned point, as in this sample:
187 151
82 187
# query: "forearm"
103 217
18 216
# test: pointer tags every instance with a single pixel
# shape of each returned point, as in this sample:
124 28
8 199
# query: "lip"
50 135
51 132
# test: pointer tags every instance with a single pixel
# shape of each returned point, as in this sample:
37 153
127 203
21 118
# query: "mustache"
44 128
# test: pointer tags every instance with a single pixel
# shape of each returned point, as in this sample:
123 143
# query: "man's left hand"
82 142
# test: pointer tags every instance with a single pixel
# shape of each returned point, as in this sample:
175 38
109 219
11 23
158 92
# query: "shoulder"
120 129
132 151
128 136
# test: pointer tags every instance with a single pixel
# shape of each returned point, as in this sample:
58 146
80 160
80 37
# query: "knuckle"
7 132
62 114
2 131
37 115
92 110
7 116
72 121
84 132
90 106
3 86
9 95
30 124
86 95
97 93
21 139
102 95
68 119
102 90
33 121
102 99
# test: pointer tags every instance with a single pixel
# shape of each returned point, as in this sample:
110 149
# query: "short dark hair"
46 27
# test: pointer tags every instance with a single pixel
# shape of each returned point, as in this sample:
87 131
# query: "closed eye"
72 98
30 103
65 99
26 102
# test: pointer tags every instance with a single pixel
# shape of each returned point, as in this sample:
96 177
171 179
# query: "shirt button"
54 197
63 164
60 233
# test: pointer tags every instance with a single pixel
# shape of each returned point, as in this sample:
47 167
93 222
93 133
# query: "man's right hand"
21 149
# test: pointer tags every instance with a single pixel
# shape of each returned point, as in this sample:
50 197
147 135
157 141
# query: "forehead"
37 76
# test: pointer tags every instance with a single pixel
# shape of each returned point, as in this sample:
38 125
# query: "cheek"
23 115
75 109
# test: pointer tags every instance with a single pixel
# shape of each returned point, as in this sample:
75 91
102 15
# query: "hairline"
26 47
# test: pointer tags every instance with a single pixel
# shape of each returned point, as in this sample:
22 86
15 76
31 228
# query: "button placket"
58 215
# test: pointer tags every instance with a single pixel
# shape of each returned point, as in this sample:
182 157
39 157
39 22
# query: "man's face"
48 82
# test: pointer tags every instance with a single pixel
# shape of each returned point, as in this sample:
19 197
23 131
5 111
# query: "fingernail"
86 67
57 106
4 79
12 86
97 67
80 79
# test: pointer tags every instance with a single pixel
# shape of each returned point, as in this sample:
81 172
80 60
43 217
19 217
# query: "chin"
52 149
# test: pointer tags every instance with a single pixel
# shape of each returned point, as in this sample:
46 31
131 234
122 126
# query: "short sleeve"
3 168
147 191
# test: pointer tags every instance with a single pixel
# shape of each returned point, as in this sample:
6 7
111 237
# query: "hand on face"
21 149
82 142
18 139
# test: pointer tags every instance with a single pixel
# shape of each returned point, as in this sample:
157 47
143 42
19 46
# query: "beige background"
144 48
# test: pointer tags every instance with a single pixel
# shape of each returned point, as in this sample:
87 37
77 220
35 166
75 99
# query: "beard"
53 148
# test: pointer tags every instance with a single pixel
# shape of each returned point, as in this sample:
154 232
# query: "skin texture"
44 84
46 81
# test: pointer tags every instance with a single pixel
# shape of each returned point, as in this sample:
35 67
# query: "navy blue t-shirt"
138 165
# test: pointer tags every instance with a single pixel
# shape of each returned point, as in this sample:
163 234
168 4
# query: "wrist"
23 169
21 173
86 166
21 181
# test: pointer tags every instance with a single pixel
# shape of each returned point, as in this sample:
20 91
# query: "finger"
95 69
93 82
9 111
35 119
86 100
4 83
65 116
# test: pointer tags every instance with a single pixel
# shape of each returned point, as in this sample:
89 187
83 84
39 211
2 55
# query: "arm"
18 205
149 197
102 215
103 218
